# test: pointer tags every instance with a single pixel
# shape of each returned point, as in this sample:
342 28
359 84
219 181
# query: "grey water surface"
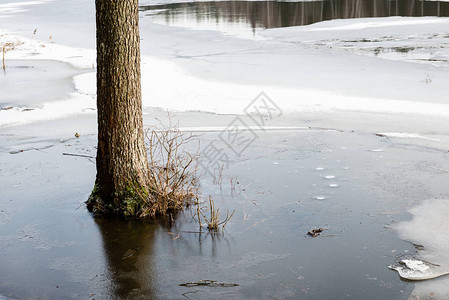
285 184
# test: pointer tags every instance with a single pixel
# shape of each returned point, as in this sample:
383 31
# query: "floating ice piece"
333 185
377 150
320 198
415 269
416 265
329 176
319 169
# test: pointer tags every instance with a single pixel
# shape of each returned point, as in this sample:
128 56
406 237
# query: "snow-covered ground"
331 67
381 75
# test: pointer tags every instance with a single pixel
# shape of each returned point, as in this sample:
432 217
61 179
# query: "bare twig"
78 155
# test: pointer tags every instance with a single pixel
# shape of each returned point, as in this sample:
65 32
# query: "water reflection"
273 14
128 249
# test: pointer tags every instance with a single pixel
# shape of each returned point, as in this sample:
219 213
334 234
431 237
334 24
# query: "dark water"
52 248
273 14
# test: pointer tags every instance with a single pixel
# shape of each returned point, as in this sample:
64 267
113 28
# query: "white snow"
28 48
17 7
418 40
225 73
417 270
428 227
372 23
415 265
253 128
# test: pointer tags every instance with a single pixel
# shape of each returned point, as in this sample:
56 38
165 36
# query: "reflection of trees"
128 248
132 257
272 14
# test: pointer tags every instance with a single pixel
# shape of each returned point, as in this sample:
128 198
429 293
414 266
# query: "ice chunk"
416 265
415 269
428 227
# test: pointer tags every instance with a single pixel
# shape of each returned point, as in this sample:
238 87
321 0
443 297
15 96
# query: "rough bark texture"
122 165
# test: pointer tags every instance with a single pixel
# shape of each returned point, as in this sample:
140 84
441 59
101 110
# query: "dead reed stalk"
213 222
7 47
4 66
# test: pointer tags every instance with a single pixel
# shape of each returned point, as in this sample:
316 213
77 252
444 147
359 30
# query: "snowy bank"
202 80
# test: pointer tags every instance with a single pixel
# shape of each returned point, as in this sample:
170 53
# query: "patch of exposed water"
246 18
55 249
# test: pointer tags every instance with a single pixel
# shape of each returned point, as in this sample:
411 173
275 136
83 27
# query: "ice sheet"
407 135
225 72
7 9
169 85
428 227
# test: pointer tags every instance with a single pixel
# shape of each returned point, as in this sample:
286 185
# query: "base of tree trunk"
127 203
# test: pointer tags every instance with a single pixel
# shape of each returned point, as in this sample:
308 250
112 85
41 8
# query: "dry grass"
173 172
8 46
213 222
173 179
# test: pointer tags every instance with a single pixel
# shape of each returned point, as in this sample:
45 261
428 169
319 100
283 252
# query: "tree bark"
122 167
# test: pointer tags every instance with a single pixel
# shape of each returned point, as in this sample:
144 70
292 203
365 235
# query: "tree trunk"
122 181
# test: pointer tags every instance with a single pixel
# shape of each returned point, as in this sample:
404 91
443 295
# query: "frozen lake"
355 186
359 138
